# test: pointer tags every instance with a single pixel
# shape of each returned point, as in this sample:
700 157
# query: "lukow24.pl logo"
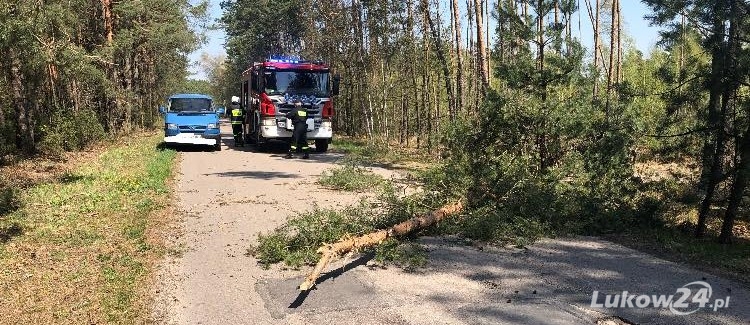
688 299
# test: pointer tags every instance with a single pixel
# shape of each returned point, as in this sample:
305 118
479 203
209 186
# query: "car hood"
191 118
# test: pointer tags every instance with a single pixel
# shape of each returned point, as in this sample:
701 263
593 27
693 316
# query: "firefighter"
298 115
237 118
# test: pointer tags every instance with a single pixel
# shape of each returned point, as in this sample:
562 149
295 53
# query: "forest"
532 126
77 71
535 128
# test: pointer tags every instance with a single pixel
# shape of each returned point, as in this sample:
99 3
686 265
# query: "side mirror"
336 82
221 110
162 109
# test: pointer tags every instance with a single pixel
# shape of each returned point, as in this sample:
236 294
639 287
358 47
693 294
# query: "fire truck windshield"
296 82
189 105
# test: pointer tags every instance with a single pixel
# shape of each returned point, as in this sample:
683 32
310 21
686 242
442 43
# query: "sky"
635 27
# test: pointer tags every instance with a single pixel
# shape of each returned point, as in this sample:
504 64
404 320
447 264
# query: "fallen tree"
350 244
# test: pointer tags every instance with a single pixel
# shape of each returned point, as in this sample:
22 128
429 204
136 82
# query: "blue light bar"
278 58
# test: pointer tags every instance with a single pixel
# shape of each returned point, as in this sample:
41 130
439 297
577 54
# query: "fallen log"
346 245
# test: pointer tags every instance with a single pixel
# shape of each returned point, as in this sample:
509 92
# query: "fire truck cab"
269 90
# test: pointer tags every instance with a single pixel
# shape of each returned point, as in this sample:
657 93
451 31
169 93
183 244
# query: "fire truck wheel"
321 145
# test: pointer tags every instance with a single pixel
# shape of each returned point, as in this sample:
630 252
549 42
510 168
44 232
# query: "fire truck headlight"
326 124
171 126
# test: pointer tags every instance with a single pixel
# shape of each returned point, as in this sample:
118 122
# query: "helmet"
235 100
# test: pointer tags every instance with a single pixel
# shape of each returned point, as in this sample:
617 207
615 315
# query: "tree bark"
594 15
612 57
108 20
481 47
351 244
713 148
742 174
742 170
459 57
619 44
24 125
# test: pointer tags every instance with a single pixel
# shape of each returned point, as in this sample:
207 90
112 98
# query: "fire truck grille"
311 111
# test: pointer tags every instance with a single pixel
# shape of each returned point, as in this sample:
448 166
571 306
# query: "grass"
82 247
360 151
350 178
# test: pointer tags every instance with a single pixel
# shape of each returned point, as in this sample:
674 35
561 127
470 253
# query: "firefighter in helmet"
237 118
298 116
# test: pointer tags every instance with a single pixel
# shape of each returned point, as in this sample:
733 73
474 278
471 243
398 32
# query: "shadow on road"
333 274
553 275
255 174
184 147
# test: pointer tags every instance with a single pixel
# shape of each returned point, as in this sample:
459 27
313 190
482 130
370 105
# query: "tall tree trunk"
108 20
568 32
24 124
741 176
437 40
742 170
481 47
487 56
594 15
612 57
459 57
111 107
544 162
412 67
619 44
713 147
598 60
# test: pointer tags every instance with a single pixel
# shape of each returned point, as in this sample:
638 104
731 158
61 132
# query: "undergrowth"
350 178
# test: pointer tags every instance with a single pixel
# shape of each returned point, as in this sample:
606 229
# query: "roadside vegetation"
537 132
350 177
81 247
507 205
360 151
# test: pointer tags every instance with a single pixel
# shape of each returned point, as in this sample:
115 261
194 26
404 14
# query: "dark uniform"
238 117
298 115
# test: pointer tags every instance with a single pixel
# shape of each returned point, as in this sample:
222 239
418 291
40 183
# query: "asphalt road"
226 198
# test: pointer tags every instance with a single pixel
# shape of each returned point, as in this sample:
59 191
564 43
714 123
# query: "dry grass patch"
86 247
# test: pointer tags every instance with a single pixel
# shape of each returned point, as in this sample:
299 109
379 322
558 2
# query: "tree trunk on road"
346 245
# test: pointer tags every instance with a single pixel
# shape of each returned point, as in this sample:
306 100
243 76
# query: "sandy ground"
226 198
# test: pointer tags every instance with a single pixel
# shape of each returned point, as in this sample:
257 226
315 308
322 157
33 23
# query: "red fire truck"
269 90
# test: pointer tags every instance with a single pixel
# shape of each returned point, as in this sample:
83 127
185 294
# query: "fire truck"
269 90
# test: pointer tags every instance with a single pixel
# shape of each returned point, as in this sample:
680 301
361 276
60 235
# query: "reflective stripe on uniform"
236 116
301 113
293 147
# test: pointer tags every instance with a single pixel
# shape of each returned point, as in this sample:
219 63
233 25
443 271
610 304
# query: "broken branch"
349 244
